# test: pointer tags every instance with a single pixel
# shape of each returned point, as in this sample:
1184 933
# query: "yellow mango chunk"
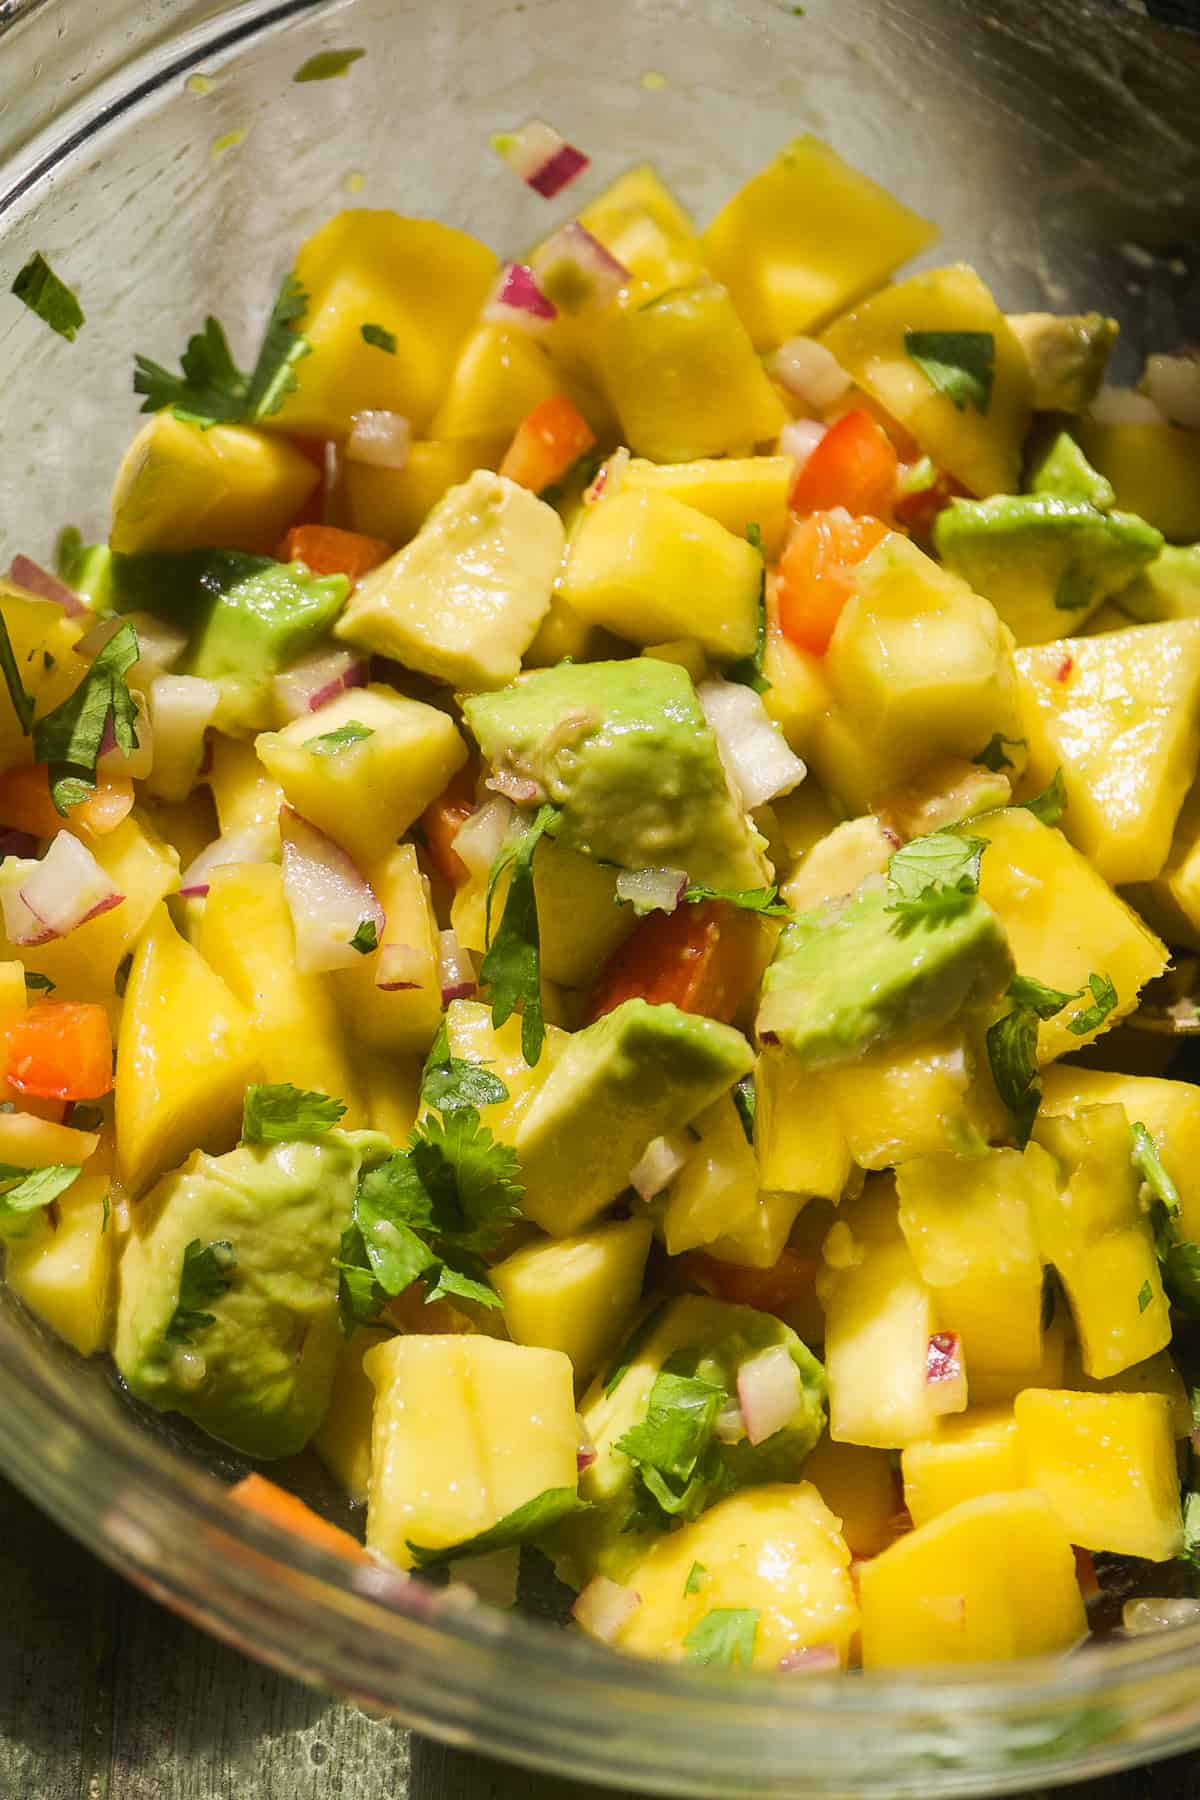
798 697
1170 1111
1155 470
404 1019
499 377
421 281
806 237
969 1222
1157 1375
579 920
343 1440
472 1037
905 1100
993 1388
971 1455
181 488
84 963
801 1147
839 863
1106 1464
467 1429
37 629
715 1202
28 1142
1124 728
650 568
364 793
1063 922
575 1294
64 1272
246 936
640 222
736 491
990 1579
244 795
859 1487
393 504
392 1085
1170 904
982 449
184 1057
775 1551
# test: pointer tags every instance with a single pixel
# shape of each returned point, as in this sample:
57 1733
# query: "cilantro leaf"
36 983
1050 805
207 1273
379 338
212 389
522 1526
992 755
366 938
936 877
512 967
473 1181
697 1576
390 1207
933 906
22 703
748 670
273 377
331 742
724 1637
1026 991
25 1191
670 1446
463 1277
1104 997
42 291
1145 1295
1178 1259
456 1083
282 1114
745 1098
764 900
1012 1052
1148 1164
70 737
959 364
1181 1277
327 64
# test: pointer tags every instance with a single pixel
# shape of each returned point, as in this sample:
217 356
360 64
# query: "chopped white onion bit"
1124 406
753 750
64 889
817 1659
769 1390
799 439
254 844
810 372
316 680
182 708
379 438
1173 384
575 263
479 839
329 898
652 890
541 156
400 967
20 925
658 1165
1142 1616
604 1608
456 971
519 301
945 1375
31 576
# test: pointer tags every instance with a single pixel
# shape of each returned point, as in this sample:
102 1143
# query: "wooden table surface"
106 1696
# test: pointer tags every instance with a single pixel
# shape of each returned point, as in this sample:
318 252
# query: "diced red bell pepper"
699 958
441 821
328 550
816 574
60 1050
269 1501
548 442
855 465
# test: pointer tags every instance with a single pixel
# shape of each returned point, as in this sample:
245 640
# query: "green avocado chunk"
249 1241
247 617
637 1073
1168 588
1045 563
624 750
634 1494
1067 353
849 976
1059 467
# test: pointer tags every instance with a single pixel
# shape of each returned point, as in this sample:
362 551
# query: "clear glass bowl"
1059 148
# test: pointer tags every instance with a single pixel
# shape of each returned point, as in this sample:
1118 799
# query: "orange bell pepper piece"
816 574
547 442
441 820
25 803
328 550
272 1502
60 1050
855 465
698 958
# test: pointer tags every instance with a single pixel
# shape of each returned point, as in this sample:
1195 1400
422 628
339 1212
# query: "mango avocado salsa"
588 880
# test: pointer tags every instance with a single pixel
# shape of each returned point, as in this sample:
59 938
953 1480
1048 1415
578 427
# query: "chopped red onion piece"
541 156
815 1660
400 967
1173 384
575 265
254 844
658 1165
519 301
770 1393
799 438
456 971
652 890
753 750
379 438
945 1376
810 372
729 1425
35 580
609 477
182 707
1124 406
604 1608
316 680
21 926
586 1452
329 898
67 887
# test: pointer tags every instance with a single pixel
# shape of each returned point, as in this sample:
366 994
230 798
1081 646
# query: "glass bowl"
1059 148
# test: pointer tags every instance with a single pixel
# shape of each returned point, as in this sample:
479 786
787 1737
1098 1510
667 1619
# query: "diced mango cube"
1170 904
715 1202
244 795
183 488
1170 1111
801 1146
974 1454
499 377
579 920
343 1440
43 640
1106 1464
472 1037
1155 470
640 222
393 504
859 1487
64 1271
392 1087
798 697
403 1019
575 1294
736 491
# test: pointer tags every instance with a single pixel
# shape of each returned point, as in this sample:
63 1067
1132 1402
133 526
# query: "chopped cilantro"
327 64
745 1098
696 1578
212 389
25 1191
992 755
366 938
22 703
670 1444
763 900
70 737
522 1526
379 338
1012 1052
283 1114
1181 1277
1145 1295
450 1083
207 1273
1050 805
512 967
724 1637
748 670
330 743
1148 1164
1025 990
1104 997
105 1214
38 984
959 364
41 290
935 878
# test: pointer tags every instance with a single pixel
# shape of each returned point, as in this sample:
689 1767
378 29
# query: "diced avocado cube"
1167 588
624 750
637 1073
846 978
1059 467
1045 564
259 1375
1067 356
246 618
463 601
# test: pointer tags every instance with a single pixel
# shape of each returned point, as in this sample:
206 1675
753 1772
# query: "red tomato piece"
855 465
816 574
